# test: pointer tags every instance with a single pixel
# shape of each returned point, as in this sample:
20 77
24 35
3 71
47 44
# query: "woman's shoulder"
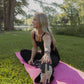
46 36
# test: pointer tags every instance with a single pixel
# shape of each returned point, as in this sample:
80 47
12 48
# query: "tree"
9 9
18 10
74 9
1 15
49 9
64 20
69 7
80 8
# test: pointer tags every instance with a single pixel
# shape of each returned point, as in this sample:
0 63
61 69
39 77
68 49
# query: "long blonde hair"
43 23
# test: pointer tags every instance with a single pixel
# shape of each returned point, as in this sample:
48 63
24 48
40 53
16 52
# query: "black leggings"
26 54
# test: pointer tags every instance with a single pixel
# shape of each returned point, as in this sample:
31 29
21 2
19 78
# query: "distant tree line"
70 20
72 13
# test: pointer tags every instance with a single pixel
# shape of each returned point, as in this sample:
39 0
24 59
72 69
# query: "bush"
69 30
17 29
81 29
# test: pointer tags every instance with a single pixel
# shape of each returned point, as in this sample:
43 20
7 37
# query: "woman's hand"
46 59
30 61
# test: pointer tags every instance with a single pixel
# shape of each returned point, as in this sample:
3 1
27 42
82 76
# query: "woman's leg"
55 60
55 57
26 54
57 53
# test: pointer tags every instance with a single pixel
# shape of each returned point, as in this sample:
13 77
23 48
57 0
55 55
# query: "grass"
13 72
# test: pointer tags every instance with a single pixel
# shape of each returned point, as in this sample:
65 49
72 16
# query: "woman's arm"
34 49
47 42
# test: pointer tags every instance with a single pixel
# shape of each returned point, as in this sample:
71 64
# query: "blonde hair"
43 23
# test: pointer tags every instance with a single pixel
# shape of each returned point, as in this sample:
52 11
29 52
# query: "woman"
49 57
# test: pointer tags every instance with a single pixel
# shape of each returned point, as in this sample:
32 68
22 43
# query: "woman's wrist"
31 58
47 53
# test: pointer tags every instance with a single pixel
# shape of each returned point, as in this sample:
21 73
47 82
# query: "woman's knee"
55 61
24 51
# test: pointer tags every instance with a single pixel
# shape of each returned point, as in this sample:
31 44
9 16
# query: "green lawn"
13 72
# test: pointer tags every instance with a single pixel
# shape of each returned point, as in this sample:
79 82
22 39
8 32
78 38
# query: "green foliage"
59 19
81 30
71 11
69 30
19 22
74 10
80 5
19 5
28 21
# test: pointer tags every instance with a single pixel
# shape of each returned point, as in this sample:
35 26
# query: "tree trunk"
9 6
0 21
0 26
6 20
1 15
11 11
78 20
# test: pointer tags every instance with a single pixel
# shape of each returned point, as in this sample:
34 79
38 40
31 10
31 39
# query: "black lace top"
41 44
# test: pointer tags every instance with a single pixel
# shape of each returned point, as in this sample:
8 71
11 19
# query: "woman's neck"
40 32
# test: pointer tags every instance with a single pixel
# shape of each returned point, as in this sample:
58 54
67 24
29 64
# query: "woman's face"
35 22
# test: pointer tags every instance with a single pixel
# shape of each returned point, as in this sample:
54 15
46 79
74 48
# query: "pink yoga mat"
63 73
